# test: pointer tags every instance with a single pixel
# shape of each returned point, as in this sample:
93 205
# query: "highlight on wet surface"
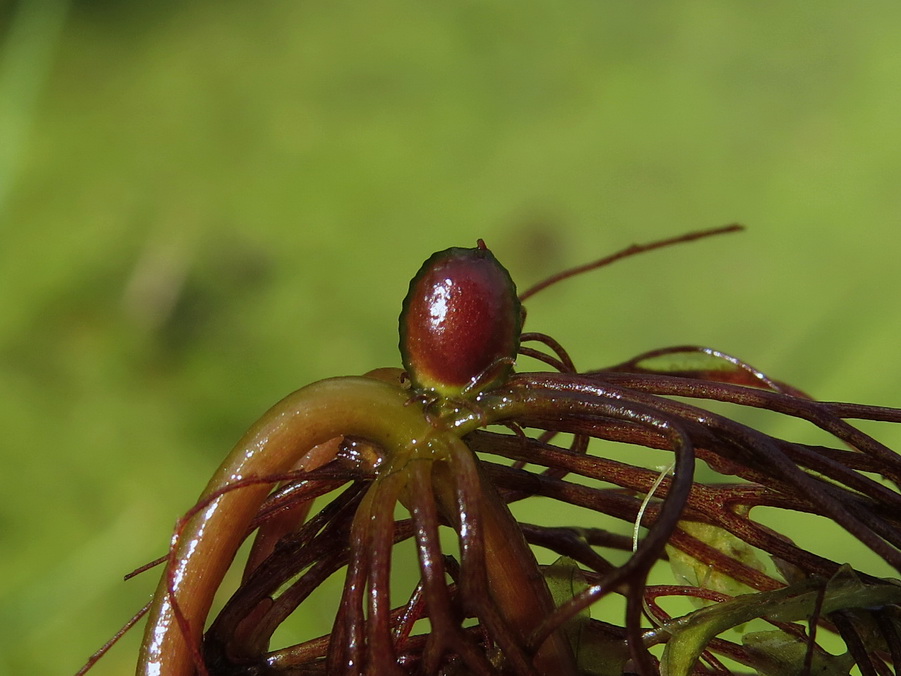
344 474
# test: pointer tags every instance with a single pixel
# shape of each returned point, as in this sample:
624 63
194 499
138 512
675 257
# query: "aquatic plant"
462 432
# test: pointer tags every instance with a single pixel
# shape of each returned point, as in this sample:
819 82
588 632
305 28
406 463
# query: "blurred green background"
205 205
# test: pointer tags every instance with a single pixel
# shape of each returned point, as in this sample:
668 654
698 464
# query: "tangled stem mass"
317 482
435 465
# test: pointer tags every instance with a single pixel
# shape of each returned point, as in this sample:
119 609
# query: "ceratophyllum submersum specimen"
337 475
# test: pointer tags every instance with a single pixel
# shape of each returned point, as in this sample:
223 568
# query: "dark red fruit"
460 323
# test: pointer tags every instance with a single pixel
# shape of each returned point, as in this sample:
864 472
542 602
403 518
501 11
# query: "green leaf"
781 654
687 362
690 571
597 654
689 635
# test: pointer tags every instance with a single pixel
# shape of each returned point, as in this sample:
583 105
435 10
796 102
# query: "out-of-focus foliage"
205 205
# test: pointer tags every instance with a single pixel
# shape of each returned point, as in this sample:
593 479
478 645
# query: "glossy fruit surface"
461 323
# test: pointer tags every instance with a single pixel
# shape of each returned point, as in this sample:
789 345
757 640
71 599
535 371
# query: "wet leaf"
781 654
597 654
689 635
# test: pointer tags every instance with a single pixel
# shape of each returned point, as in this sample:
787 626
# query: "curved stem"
378 521
203 550
550 393
495 553
446 632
